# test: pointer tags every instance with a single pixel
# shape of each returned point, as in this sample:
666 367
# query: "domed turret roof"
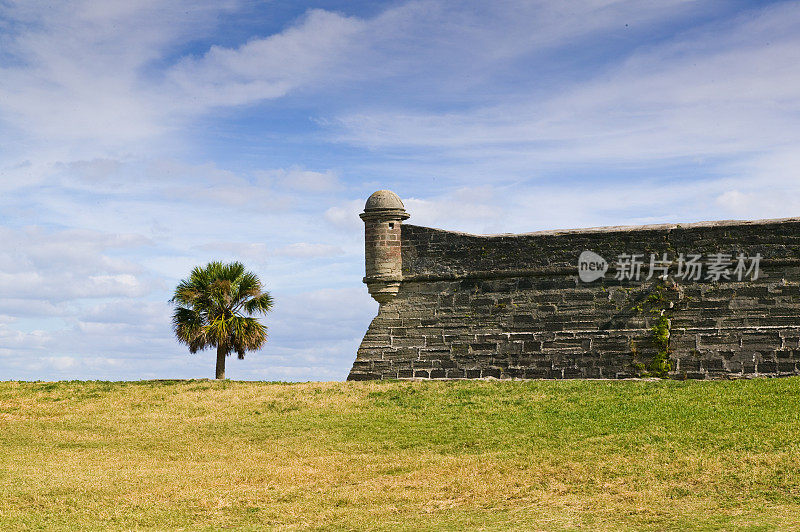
384 199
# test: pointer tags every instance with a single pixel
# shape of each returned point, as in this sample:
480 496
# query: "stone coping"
628 228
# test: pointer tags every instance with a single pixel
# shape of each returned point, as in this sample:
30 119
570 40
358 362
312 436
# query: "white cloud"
309 181
11 308
15 342
249 251
69 286
269 67
34 248
308 250
60 363
345 215
144 314
96 170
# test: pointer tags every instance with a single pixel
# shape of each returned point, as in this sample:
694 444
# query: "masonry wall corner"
513 306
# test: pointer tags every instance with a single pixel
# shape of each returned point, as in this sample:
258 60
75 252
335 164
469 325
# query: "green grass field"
401 455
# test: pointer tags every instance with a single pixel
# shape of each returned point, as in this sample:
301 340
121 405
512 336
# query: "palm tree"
214 308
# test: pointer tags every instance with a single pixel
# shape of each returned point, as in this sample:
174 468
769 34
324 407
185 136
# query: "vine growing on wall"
658 305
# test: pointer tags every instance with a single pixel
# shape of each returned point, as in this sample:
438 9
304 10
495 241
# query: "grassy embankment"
442 455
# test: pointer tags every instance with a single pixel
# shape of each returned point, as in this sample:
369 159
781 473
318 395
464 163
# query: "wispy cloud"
78 70
700 95
266 68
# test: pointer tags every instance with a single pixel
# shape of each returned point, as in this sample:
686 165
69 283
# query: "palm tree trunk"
220 362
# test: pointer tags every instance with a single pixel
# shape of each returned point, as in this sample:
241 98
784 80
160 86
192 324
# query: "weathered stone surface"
512 306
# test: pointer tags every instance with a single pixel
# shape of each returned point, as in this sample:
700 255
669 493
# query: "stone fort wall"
457 305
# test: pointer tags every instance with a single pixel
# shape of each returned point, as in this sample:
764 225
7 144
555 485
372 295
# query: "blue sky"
141 138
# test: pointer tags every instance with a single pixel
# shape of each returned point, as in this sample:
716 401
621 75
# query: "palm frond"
247 334
261 303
